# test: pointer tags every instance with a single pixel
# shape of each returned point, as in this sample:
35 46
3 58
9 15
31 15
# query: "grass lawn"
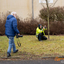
32 48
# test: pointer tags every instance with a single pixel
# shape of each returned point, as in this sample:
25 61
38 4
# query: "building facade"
24 7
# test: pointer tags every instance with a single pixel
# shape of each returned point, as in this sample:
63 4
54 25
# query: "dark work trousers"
41 37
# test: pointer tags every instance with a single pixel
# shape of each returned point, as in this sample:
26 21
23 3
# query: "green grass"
32 48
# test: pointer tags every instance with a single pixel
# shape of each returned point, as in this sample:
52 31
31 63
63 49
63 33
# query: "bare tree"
47 4
48 16
54 3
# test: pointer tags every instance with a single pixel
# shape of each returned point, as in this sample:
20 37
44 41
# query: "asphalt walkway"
31 62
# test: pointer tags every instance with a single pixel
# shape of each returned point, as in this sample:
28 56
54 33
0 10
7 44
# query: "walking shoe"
15 51
8 54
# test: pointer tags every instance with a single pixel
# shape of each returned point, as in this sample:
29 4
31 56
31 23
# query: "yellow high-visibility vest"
40 30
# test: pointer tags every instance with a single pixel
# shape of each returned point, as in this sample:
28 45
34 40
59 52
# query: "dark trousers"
41 37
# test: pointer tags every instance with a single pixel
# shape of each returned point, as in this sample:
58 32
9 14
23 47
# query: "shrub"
56 28
55 14
29 27
2 23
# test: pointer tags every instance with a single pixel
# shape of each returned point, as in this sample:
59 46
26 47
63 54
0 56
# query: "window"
44 1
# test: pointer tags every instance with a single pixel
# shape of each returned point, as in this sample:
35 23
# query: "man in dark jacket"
10 31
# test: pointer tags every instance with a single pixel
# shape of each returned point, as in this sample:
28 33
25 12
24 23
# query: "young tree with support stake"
47 4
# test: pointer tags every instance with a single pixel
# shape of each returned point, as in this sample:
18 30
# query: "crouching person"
10 31
40 32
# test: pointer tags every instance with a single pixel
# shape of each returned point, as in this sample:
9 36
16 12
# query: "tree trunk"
48 17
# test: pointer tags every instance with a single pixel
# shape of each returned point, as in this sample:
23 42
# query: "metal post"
32 10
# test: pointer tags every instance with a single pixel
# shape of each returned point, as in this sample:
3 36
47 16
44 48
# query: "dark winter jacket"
11 26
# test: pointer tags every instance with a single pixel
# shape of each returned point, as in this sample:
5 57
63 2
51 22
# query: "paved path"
31 62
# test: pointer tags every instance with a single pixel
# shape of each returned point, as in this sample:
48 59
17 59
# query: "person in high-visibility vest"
40 34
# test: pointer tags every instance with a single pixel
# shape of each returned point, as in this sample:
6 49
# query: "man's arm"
15 26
